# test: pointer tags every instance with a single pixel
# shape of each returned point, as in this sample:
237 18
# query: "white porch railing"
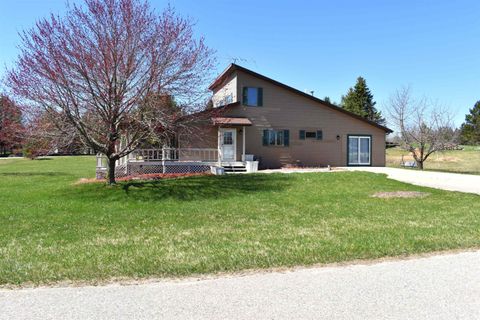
175 154
172 155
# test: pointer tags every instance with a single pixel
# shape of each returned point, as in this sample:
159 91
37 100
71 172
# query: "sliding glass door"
359 150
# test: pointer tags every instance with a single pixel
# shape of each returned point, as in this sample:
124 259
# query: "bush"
33 150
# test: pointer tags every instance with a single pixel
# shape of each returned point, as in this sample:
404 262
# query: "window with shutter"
303 134
276 137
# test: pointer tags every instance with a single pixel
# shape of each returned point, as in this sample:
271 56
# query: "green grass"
458 161
54 230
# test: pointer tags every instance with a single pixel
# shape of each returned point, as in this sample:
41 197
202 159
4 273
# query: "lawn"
459 161
53 229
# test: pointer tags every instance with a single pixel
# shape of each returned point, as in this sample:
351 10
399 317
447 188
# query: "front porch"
225 158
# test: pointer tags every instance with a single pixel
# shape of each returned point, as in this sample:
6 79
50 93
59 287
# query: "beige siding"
201 136
228 88
284 109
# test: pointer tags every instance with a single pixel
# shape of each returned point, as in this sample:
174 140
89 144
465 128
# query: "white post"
163 158
243 142
219 146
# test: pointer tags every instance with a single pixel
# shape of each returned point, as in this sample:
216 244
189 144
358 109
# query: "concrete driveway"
439 180
437 287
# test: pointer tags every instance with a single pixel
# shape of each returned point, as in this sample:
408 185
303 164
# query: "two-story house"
255 117
280 125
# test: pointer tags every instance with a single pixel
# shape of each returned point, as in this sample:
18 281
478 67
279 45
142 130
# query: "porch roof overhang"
228 121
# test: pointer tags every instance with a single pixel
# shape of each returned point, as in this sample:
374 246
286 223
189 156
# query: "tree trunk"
420 165
111 171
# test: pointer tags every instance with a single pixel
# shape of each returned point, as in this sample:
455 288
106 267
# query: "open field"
459 161
53 229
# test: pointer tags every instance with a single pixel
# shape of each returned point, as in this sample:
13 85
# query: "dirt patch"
149 176
400 194
446 159
91 180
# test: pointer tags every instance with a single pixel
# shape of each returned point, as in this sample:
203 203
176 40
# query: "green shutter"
245 96
286 137
260 97
319 135
301 134
265 137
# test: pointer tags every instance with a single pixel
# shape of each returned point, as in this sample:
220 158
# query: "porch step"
235 169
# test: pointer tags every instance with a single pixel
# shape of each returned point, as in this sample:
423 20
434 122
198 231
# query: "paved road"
440 180
438 287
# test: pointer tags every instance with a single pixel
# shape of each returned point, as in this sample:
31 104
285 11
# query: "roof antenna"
311 92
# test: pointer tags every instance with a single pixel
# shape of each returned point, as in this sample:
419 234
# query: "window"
228 99
302 134
228 137
276 137
252 97
224 101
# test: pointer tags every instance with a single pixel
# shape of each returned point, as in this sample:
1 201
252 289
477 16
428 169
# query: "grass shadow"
189 189
32 174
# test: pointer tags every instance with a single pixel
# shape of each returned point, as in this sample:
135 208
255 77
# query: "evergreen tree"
359 100
328 100
470 129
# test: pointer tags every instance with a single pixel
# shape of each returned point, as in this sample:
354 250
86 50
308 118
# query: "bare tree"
423 126
98 66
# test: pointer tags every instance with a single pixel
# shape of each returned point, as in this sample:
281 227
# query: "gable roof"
234 67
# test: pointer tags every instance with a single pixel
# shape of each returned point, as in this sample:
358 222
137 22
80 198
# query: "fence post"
163 159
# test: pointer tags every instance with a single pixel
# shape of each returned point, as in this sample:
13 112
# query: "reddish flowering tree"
97 66
11 127
47 133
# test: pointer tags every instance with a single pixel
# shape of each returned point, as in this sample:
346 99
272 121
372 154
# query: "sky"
323 46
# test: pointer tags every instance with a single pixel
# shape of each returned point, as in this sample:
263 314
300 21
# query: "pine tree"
328 100
359 100
470 129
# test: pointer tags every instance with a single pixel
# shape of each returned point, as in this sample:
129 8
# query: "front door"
359 150
228 144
